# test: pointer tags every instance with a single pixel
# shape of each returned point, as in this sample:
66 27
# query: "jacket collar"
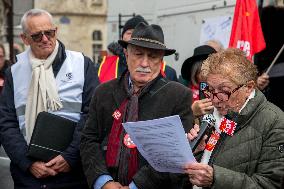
59 58
253 106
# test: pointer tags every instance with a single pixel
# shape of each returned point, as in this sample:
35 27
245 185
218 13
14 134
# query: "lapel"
119 93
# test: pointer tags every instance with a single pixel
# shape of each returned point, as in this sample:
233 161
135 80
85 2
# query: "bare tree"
8 11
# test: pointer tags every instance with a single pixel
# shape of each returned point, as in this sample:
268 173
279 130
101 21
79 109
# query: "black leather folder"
52 134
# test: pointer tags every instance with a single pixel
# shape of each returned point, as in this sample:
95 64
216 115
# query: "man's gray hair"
31 13
215 44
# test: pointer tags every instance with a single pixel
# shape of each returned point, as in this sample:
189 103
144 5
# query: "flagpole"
276 57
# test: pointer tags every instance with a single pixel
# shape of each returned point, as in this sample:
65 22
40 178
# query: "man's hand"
199 174
39 170
112 185
193 133
262 81
201 107
58 164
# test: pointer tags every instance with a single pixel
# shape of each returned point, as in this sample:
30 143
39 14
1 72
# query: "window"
97 48
97 35
96 2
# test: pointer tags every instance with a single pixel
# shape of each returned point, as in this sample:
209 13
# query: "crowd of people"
244 149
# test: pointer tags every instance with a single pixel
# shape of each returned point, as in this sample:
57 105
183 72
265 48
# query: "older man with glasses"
46 77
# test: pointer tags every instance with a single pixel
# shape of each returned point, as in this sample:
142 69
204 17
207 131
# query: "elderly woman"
246 149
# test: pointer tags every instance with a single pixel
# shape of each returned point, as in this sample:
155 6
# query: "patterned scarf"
118 155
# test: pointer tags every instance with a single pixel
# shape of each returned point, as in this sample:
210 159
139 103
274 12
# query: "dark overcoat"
163 98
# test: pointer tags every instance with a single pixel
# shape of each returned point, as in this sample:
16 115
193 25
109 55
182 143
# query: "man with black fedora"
113 66
190 71
141 93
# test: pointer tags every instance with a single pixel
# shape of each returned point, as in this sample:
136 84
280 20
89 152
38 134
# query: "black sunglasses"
37 37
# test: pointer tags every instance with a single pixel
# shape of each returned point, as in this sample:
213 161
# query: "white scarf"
43 93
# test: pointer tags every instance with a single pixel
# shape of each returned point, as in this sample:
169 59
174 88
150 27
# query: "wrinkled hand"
262 81
201 107
58 164
112 185
193 133
39 170
199 174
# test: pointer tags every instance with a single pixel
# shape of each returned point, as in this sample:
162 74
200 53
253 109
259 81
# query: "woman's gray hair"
31 13
230 63
195 70
216 44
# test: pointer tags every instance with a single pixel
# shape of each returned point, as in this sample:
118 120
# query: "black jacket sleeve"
10 135
71 154
93 160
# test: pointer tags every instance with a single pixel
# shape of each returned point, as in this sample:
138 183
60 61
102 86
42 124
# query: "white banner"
217 28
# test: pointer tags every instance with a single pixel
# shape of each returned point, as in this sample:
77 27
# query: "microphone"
207 122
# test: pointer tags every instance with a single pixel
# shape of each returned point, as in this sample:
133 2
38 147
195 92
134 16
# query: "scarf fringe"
55 105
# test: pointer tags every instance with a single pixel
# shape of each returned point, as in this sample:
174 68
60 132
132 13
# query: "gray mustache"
144 70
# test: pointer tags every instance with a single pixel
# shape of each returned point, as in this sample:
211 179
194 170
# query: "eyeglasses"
37 37
222 96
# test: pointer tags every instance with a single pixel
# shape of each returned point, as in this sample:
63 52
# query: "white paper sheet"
162 142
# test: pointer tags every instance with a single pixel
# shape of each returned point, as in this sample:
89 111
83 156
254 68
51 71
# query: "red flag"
246 29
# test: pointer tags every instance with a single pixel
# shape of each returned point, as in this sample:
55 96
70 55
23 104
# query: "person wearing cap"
141 93
112 66
190 71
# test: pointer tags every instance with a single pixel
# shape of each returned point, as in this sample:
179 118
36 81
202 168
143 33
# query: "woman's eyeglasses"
222 96
37 37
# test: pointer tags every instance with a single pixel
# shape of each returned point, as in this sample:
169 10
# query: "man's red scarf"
118 155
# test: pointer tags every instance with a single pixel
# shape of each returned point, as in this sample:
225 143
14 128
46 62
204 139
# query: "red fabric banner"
246 29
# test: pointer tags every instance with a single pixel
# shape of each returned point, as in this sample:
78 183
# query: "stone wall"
76 22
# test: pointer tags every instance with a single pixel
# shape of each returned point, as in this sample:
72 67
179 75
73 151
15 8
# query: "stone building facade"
81 24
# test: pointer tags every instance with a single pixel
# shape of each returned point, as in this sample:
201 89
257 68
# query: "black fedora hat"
148 36
200 53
